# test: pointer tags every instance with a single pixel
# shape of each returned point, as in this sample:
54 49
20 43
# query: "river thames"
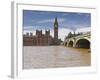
35 57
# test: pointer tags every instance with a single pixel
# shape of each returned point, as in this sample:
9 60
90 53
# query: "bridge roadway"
54 57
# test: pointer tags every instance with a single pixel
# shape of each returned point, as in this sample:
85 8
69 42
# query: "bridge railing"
80 35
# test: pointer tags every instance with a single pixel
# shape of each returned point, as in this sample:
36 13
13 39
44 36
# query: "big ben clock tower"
56 30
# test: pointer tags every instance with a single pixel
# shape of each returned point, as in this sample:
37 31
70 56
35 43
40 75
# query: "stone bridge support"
82 41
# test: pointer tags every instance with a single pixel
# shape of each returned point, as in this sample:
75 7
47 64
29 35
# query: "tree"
70 35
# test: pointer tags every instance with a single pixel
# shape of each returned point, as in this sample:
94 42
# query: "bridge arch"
65 43
82 43
70 44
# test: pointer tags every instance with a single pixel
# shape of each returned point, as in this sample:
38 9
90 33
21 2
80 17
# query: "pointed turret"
56 22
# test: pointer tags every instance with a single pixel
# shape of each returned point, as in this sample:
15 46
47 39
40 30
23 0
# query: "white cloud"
61 20
65 14
51 20
63 32
86 29
46 21
28 27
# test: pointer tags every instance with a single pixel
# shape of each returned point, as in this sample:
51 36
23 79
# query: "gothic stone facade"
42 39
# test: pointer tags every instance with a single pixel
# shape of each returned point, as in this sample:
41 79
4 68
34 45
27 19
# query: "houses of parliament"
40 39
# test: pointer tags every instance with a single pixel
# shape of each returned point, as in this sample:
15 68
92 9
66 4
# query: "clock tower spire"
56 30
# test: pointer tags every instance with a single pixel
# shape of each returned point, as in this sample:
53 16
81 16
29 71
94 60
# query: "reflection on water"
54 56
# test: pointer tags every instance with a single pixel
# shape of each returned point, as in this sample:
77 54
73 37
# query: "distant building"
42 39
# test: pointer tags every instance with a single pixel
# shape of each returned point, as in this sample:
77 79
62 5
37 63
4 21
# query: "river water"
54 57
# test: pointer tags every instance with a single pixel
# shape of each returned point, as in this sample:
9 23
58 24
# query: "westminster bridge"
80 41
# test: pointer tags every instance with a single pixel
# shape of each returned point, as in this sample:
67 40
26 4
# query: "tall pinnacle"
56 22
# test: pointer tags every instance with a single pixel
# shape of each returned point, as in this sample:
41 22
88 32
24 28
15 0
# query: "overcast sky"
68 21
